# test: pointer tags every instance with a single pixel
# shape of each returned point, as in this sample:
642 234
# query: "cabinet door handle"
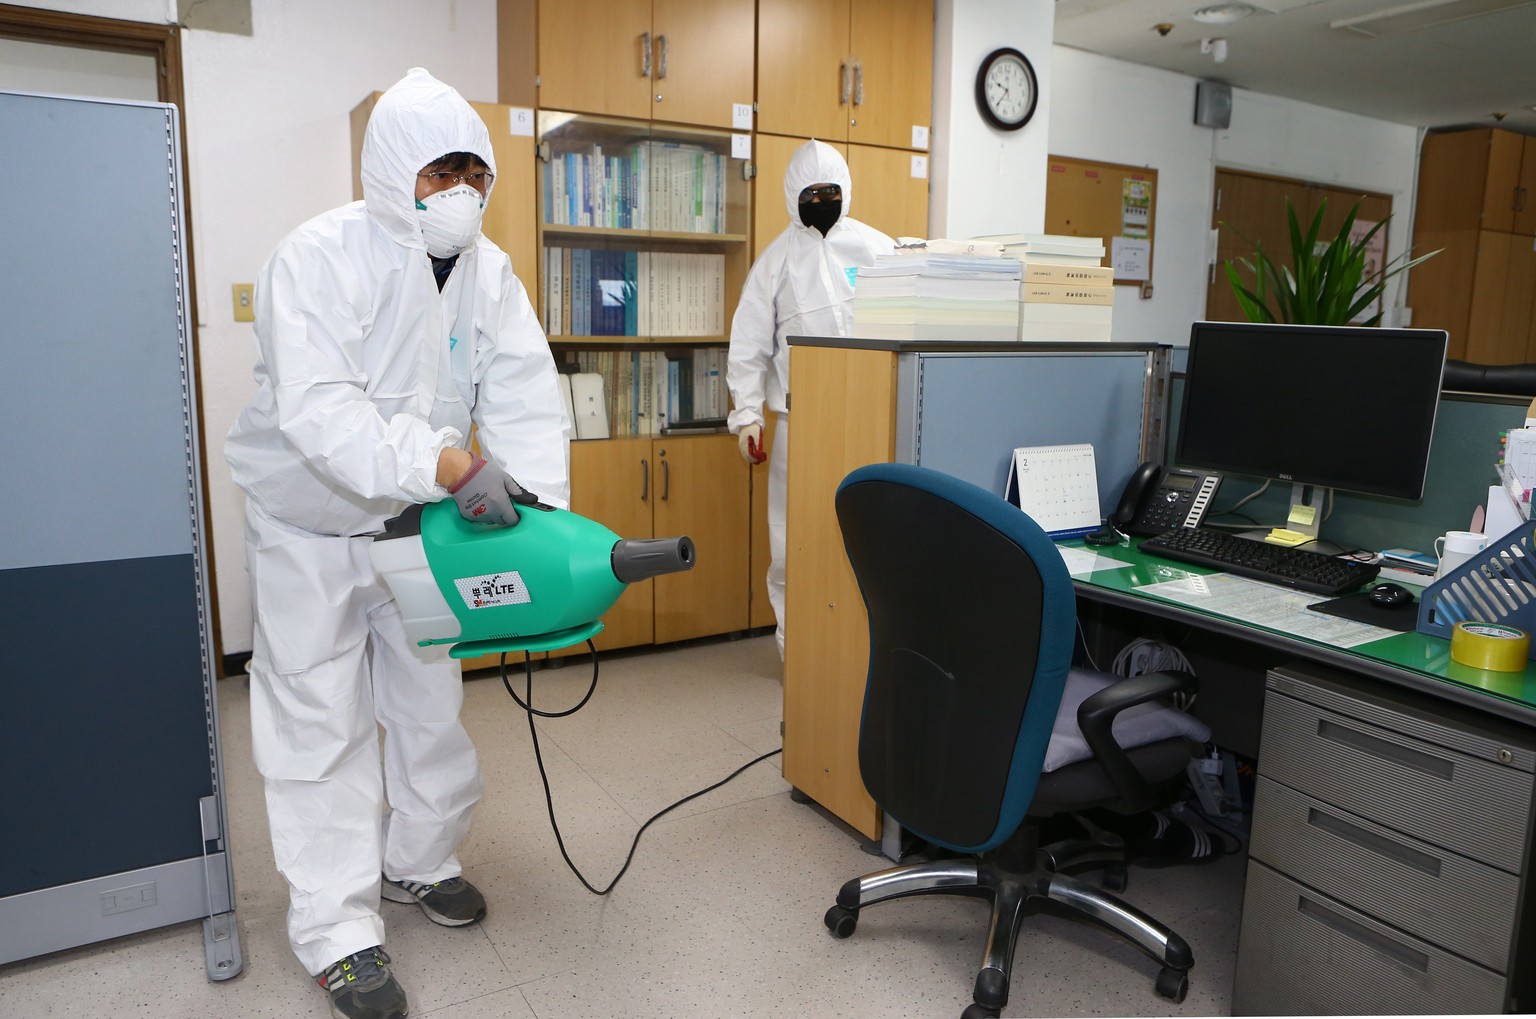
666 480
645 54
645 480
1519 199
1362 934
1380 748
1370 841
661 59
847 85
858 84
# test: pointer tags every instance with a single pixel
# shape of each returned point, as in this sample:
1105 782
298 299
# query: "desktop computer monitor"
1322 407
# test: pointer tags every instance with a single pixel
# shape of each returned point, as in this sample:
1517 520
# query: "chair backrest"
971 628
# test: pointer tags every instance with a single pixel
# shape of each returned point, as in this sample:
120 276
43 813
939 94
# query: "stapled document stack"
1065 292
921 295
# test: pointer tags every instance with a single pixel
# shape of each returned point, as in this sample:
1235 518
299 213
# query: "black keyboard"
1278 564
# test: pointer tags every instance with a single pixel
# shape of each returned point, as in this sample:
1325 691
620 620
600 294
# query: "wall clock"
1006 89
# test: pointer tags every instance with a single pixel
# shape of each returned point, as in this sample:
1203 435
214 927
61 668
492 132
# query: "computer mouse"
1391 596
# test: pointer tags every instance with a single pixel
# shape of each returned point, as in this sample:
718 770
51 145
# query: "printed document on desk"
1266 605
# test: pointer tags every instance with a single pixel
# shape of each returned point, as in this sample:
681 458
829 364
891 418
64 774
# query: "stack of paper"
1066 293
930 296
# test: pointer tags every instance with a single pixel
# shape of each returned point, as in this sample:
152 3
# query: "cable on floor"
526 703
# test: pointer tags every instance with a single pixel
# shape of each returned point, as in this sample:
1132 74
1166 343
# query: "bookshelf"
643 238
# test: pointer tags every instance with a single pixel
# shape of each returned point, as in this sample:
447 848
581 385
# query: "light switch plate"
245 304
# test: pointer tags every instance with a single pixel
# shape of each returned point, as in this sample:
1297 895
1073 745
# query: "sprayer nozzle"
637 559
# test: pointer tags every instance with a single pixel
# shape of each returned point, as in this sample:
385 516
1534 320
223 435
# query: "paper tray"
1496 585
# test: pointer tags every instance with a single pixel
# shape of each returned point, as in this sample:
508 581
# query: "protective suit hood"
815 163
419 119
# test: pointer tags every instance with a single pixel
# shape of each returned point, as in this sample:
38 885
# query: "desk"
1390 866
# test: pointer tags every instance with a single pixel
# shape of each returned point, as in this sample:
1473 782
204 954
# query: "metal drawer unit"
1389 836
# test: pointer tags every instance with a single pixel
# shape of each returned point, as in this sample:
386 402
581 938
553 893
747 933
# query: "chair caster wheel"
1173 984
1114 877
841 921
979 1012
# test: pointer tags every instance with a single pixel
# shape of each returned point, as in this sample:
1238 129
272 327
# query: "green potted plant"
1325 284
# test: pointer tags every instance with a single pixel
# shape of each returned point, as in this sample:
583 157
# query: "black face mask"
821 215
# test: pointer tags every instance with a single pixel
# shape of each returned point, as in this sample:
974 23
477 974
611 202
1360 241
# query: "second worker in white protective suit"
801 285
384 329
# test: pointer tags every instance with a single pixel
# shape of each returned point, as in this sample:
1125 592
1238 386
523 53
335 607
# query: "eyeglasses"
441 180
824 193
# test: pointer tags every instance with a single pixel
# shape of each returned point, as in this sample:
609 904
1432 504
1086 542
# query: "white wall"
1109 110
986 181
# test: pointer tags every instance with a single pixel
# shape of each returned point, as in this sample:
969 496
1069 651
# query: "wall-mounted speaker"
1213 104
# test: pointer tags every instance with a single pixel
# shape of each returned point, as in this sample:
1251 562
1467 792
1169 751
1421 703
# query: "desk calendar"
1057 486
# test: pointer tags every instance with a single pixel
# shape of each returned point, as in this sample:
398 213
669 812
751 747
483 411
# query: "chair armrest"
1096 717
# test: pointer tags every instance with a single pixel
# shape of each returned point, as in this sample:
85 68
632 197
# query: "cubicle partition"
113 796
959 407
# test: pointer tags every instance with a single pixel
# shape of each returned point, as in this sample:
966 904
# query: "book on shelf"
1095 313
633 293
1064 332
590 407
647 392
1041 271
1065 293
673 187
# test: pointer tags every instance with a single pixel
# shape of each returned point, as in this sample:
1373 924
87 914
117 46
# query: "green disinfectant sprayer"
536 586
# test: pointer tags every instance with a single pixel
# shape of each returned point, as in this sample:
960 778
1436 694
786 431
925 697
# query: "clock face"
1006 89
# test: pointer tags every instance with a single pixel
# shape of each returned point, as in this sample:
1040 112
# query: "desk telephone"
1158 499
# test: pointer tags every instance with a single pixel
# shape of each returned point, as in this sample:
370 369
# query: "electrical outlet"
245 307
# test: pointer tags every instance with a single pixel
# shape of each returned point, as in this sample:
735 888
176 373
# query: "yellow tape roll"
1491 646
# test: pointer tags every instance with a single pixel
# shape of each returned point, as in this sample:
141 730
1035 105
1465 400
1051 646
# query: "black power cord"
549 802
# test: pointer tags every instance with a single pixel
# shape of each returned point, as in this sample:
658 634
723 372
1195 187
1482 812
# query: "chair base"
1016 892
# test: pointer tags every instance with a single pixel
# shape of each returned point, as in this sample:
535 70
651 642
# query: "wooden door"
769 214
613 482
891 42
887 193
1503 178
1520 299
706 47
511 217
1525 188
803 65
701 490
1249 212
592 57
1440 290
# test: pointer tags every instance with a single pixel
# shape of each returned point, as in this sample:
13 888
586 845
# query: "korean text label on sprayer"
493 590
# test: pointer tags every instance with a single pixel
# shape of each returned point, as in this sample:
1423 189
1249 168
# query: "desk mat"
1360 608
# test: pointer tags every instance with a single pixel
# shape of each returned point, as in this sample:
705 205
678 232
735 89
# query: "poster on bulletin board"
1108 200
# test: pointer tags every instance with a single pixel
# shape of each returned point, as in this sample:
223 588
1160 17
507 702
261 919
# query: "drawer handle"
1341 828
1364 935
1415 759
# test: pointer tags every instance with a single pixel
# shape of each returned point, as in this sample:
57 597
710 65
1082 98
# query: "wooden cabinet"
889 193
1478 180
694 485
846 70
677 61
1477 204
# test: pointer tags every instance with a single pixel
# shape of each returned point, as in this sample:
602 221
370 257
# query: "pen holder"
1496 585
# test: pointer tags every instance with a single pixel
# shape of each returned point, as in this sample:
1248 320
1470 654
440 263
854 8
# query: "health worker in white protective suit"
801 285
384 329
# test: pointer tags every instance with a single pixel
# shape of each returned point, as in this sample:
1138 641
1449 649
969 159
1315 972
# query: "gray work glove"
486 494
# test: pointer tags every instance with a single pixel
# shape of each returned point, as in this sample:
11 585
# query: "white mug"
1455 548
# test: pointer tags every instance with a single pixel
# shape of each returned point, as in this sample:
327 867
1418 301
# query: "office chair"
972 623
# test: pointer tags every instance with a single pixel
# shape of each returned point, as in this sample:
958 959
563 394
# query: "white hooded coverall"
365 374
801 285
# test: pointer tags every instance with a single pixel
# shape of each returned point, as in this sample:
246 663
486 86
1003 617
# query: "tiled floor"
719 914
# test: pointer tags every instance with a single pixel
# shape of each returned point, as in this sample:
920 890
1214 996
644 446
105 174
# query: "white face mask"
450 219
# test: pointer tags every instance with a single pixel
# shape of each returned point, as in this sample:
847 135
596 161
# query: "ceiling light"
1222 14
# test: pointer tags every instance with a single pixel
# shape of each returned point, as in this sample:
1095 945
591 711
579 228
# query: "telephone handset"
1158 499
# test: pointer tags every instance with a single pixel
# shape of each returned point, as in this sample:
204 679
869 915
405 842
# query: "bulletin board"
1109 200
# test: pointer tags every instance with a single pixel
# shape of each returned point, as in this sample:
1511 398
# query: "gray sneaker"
453 902
362 987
